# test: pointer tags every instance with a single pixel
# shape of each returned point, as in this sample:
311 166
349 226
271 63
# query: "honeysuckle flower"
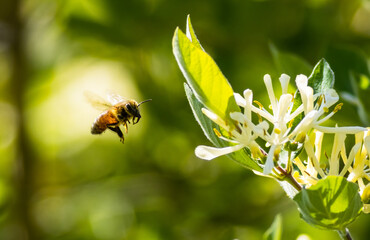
314 107
355 164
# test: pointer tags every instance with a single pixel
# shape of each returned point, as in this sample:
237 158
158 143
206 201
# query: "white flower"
275 127
355 163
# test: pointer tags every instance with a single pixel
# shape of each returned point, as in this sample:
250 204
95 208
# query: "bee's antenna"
144 102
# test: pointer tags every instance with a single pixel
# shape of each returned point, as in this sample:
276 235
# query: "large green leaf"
332 203
204 77
241 156
322 77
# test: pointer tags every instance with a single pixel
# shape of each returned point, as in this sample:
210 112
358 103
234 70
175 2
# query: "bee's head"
132 109
136 110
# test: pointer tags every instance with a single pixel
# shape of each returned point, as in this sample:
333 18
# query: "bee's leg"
126 127
117 130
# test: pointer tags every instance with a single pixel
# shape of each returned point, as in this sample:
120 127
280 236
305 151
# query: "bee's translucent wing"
114 98
97 101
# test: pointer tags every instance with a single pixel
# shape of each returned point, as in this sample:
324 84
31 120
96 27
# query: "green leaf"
322 77
205 123
204 77
241 156
275 230
191 34
332 203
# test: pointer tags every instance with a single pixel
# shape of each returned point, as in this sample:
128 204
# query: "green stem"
345 234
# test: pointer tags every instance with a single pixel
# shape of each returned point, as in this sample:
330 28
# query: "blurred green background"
57 181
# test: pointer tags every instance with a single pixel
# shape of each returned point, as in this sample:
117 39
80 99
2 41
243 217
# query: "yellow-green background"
57 181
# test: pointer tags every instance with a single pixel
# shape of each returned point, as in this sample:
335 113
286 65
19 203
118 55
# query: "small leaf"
241 156
332 203
275 230
322 77
204 77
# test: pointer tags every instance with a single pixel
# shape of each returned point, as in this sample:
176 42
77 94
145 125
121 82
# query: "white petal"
269 165
284 80
237 116
270 91
301 81
263 113
367 144
248 96
295 113
239 99
309 99
261 128
347 130
284 104
331 97
305 124
350 159
339 139
209 153
215 118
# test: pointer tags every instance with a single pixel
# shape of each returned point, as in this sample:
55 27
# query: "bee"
118 111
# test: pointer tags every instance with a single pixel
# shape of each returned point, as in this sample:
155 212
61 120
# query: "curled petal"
209 153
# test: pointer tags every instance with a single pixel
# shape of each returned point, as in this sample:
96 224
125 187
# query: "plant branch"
287 176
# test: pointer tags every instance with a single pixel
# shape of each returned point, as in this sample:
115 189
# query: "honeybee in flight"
117 111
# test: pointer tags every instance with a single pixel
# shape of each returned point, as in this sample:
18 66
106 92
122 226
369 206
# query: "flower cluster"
355 162
287 124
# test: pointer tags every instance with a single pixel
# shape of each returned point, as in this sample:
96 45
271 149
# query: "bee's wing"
97 101
114 98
